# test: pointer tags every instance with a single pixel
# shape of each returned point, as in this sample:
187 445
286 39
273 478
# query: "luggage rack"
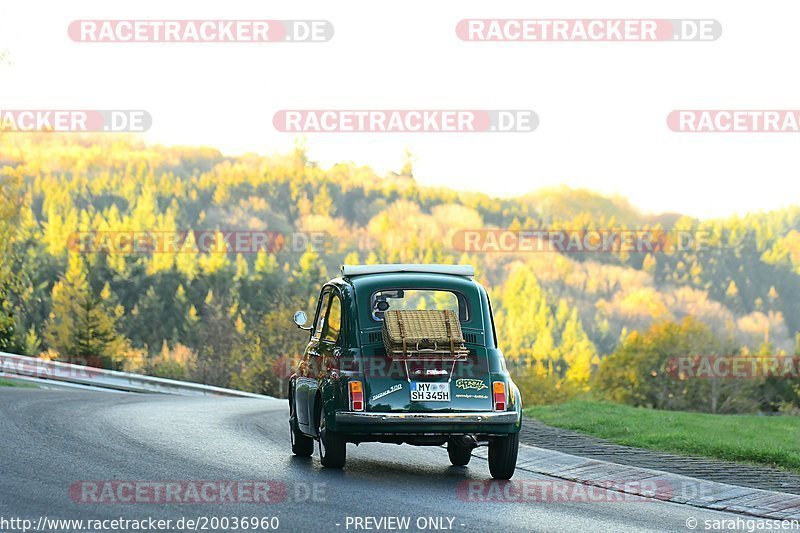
454 270
429 354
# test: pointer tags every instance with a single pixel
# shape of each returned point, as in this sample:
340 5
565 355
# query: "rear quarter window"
410 299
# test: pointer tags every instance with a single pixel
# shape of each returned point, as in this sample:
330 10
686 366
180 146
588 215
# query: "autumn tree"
644 371
273 348
10 202
81 328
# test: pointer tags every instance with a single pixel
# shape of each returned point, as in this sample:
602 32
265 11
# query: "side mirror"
300 319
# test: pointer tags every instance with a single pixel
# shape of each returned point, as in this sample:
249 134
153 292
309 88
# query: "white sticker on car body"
393 388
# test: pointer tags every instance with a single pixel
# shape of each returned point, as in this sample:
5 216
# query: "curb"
686 490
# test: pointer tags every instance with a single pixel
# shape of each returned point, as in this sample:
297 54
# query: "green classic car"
347 389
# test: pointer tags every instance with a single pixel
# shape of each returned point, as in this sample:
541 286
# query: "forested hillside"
225 318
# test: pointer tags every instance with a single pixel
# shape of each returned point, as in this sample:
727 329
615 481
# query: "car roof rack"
454 270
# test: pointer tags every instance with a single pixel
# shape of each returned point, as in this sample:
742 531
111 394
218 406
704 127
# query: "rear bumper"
375 426
423 419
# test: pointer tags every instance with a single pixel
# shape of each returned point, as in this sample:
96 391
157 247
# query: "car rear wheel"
332 447
503 456
302 446
459 454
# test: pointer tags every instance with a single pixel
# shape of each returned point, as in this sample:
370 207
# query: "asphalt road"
52 442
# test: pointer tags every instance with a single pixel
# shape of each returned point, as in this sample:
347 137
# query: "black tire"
503 456
302 446
332 447
459 455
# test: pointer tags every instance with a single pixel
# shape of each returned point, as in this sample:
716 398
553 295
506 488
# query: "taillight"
499 389
356 396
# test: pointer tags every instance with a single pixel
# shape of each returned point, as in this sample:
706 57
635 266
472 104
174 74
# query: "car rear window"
409 299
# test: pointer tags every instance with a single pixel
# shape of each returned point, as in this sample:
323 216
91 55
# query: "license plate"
430 392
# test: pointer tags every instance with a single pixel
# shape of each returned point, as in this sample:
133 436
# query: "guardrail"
23 365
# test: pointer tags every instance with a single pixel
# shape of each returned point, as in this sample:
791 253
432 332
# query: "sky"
602 106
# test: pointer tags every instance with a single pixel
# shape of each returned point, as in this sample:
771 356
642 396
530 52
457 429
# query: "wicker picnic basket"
434 334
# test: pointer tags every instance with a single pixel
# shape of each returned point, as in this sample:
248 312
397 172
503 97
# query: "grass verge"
16 383
766 440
